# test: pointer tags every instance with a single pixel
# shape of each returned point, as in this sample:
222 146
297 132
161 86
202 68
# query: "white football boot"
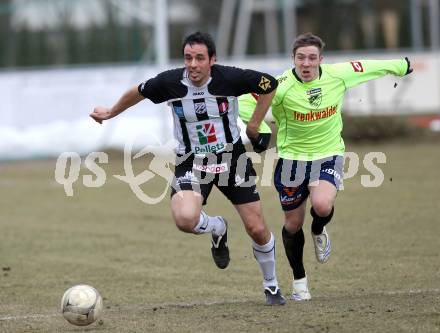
322 246
301 290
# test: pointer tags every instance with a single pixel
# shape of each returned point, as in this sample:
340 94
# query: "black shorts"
231 171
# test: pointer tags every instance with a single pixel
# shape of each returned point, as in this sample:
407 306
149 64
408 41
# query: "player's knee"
293 228
257 231
322 207
293 225
186 221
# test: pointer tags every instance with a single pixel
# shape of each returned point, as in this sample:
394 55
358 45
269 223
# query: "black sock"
319 222
294 245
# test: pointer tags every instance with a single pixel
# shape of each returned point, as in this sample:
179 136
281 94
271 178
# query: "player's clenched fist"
101 113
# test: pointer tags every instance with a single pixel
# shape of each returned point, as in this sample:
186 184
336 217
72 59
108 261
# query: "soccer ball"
81 305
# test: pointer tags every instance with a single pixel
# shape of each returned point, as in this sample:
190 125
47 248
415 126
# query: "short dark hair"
200 38
308 39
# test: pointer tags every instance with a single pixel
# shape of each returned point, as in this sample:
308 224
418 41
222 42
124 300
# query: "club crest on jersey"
200 107
264 83
206 133
315 97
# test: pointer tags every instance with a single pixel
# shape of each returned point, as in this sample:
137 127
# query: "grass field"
383 276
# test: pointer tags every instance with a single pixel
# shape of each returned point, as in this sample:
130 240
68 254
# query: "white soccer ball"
81 305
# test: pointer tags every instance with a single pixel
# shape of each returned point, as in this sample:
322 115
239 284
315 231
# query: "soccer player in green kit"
307 111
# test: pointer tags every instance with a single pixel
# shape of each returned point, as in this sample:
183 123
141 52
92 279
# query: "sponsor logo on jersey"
211 168
357 66
264 83
316 115
198 93
206 133
178 110
223 105
209 148
282 78
315 97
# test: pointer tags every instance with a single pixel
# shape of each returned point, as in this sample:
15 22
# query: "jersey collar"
187 82
299 79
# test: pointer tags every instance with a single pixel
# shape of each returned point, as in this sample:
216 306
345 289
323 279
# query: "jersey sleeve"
154 89
357 72
247 81
246 106
284 84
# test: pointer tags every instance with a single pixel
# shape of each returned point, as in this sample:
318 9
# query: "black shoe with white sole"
274 296
220 250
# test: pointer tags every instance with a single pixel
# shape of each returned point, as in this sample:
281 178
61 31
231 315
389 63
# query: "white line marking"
246 300
32 316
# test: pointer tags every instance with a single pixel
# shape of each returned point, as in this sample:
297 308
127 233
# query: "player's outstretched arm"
128 99
354 73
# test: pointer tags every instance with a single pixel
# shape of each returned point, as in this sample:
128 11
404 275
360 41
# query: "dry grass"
383 275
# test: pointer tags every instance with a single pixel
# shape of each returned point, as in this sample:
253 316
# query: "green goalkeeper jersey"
308 114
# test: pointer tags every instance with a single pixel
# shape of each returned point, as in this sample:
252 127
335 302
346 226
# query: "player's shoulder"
339 66
225 71
285 78
171 75
164 86
331 68
337 70
285 81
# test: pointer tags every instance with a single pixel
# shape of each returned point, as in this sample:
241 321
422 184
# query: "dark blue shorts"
292 178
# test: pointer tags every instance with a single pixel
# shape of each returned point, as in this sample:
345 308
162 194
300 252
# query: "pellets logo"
357 66
206 133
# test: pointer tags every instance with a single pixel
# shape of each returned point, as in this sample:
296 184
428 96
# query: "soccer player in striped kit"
203 99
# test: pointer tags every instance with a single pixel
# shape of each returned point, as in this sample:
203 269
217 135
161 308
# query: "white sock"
212 224
265 255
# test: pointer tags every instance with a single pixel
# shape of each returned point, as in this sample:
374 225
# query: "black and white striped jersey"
205 118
